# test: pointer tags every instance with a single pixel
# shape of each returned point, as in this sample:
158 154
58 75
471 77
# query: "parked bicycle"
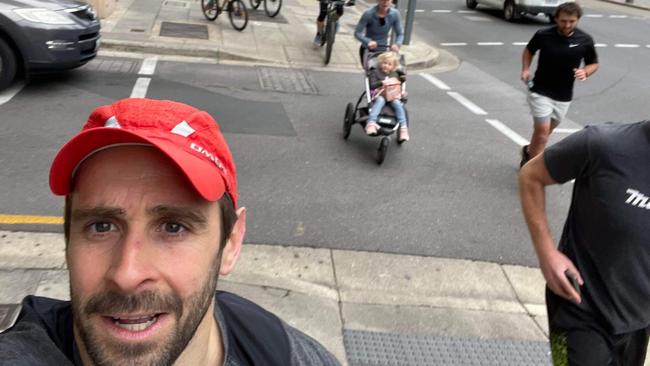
331 26
237 12
271 7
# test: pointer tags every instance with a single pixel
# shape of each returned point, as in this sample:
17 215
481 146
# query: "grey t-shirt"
251 336
607 231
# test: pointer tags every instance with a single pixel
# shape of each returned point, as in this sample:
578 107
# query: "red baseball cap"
188 136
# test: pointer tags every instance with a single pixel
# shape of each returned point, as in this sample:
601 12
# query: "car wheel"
510 12
471 4
7 65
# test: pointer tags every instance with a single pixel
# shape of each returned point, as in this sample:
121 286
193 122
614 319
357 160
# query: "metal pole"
410 14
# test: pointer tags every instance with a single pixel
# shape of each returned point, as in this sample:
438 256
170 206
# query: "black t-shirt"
251 336
607 231
558 56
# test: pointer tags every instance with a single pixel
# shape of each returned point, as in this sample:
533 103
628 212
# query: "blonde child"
385 81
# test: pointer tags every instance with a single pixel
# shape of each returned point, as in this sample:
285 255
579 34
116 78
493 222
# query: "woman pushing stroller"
386 87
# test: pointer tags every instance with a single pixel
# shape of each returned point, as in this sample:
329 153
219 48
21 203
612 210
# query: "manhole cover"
286 80
365 348
258 15
183 30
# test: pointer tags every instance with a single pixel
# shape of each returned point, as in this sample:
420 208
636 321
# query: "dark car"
42 35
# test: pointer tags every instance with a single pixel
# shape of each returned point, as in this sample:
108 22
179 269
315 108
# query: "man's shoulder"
35 338
253 331
547 32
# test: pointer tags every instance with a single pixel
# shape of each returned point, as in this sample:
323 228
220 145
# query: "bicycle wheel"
330 33
210 9
272 7
255 3
237 14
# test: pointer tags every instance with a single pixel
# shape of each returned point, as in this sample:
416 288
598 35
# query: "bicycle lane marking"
30 219
11 92
142 83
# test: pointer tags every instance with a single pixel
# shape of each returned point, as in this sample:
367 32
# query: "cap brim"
202 173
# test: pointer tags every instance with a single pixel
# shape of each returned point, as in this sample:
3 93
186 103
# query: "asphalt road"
450 192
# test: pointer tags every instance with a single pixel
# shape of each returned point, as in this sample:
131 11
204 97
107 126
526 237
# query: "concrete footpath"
178 28
366 308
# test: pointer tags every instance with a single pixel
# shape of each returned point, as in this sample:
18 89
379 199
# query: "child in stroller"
386 87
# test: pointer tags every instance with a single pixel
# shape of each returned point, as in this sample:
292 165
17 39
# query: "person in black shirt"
151 220
604 318
562 49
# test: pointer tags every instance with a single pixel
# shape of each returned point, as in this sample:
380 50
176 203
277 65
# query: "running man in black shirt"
605 243
562 49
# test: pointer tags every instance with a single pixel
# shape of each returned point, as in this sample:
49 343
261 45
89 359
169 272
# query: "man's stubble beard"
160 353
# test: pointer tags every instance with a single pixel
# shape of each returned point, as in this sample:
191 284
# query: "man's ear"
234 243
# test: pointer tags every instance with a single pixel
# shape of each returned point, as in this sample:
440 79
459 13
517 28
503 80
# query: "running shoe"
524 156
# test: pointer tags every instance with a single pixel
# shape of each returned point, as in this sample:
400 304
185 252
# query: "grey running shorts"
545 109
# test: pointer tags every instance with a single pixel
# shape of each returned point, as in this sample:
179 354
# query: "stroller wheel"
383 148
348 120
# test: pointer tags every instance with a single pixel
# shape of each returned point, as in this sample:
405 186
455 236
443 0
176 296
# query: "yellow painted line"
27 219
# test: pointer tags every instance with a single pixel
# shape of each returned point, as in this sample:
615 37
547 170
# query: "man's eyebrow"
84 213
190 214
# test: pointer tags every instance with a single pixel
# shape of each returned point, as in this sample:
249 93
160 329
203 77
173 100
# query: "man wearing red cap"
151 221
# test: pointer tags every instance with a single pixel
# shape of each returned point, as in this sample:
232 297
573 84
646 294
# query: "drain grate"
286 80
258 15
183 30
176 4
383 349
112 65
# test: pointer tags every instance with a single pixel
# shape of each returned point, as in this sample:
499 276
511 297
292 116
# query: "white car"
514 9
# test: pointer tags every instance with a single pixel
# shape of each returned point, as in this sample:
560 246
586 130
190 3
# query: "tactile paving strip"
365 348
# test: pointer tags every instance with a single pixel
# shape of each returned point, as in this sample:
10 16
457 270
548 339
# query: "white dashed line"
625 45
467 11
519 43
419 10
618 16
140 88
467 103
512 135
490 43
435 81
566 130
441 11
454 44
593 15
148 66
11 92
600 45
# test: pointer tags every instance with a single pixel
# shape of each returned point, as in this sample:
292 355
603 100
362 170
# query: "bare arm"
585 72
533 178
526 60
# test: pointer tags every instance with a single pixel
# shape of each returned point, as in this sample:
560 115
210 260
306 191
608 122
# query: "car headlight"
43 16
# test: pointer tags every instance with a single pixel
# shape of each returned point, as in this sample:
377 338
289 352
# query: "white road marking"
148 66
618 16
512 135
11 92
467 11
566 130
490 43
435 81
441 11
600 45
593 15
419 10
140 88
467 103
624 45
477 18
519 43
454 44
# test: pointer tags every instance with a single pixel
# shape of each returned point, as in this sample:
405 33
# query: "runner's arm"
585 72
526 60
360 30
399 31
533 178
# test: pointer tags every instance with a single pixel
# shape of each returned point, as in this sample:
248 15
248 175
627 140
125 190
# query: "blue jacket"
374 31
